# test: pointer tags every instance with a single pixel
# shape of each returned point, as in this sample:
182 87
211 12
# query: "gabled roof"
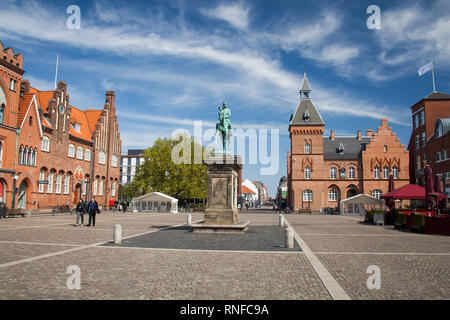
352 148
304 109
24 105
247 190
79 117
437 96
155 195
92 118
43 97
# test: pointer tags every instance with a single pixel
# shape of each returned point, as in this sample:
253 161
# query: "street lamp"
14 189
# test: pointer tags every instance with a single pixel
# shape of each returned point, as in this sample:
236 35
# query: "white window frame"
351 172
79 153
45 144
308 195
87 155
423 139
58 183
41 185
417 141
333 194
376 193
113 189
12 84
385 172
71 151
114 161
333 173
100 188
101 157
395 172
66 184
376 172
422 118
307 148
95 187
50 183
308 173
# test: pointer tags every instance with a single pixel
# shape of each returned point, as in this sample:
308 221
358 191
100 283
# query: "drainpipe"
13 201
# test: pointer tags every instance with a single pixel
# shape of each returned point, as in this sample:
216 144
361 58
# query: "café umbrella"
428 187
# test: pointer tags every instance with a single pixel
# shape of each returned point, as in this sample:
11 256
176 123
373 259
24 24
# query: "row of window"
386 172
51 183
421 140
419 119
27 156
441 155
352 171
333 194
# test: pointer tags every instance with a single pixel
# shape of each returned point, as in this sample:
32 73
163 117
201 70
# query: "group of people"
91 207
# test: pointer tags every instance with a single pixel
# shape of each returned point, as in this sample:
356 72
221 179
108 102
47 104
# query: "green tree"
161 173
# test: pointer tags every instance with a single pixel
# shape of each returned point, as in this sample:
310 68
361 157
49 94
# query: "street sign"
43 182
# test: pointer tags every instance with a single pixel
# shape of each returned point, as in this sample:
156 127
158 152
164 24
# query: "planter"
408 224
378 218
437 225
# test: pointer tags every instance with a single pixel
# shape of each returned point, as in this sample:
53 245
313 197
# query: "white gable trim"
37 115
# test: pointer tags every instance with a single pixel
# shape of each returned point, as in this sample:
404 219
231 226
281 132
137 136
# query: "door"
22 196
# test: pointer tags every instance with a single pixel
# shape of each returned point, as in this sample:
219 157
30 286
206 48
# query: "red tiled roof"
43 97
247 190
92 118
23 107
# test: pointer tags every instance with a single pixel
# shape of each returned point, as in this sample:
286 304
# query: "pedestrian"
81 210
93 208
124 206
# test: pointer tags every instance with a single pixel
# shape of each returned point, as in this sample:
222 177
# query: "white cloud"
235 14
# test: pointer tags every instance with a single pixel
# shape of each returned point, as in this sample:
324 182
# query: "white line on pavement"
334 288
389 253
43 243
358 234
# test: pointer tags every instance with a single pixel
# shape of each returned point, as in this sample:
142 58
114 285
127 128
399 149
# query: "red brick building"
44 138
430 139
324 170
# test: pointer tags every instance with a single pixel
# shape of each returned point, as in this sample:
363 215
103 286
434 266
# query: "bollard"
281 220
189 219
289 238
117 234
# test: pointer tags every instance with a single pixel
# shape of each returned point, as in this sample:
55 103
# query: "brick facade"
324 170
77 152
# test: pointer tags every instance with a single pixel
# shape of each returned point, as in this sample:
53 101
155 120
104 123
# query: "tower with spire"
306 131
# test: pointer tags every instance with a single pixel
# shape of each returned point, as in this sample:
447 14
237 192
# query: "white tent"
155 202
360 203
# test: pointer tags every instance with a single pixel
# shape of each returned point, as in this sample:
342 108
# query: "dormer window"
76 127
341 148
306 116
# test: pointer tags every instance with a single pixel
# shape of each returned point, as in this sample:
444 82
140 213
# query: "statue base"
222 214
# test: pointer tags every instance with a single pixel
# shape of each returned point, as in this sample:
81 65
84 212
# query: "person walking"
81 210
92 210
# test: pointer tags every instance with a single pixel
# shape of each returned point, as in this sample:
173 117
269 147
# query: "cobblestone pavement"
412 265
36 251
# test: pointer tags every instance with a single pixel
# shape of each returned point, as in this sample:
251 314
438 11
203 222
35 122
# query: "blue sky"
173 62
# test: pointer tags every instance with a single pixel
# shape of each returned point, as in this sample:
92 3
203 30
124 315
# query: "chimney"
332 135
25 87
369 132
110 97
384 123
359 135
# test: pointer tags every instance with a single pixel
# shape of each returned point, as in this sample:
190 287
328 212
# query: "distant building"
430 139
324 170
282 189
128 164
263 196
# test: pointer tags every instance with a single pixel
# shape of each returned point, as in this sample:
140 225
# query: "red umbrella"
428 187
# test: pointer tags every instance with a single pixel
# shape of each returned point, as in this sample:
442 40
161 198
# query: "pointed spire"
305 90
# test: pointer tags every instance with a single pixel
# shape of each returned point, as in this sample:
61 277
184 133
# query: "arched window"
307 195
113 189
25 156
58 183
100 188
307 148
35 156
307 173
30 153
376 193
45 144
376 173
395 172
333 173
80 153
385 172
333 194
21 155
87 155
66 184
71 152
101 157
351 172
95 187
41 185
2 113
114 161
50 183
438 129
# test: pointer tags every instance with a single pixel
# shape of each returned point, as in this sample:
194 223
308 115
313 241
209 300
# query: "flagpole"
432 71
56 72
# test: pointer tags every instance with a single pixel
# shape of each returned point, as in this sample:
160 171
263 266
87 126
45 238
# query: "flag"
424 69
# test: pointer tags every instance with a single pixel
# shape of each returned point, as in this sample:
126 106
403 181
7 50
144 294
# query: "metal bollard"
289 238
117 234
189 219
281 220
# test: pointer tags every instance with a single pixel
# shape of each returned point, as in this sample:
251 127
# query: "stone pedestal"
222 214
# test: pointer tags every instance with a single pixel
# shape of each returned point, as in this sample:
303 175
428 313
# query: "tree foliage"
160 173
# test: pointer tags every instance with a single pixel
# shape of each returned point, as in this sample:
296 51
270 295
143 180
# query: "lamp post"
14 190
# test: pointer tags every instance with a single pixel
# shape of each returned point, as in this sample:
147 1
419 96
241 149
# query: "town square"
228 151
